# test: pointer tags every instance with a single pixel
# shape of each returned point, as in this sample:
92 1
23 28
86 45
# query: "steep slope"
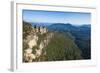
62 48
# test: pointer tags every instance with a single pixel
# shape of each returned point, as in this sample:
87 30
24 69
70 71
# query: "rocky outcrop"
28 55
32 40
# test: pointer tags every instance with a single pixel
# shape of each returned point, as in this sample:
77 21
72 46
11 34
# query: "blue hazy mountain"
41 24
62 26
68 27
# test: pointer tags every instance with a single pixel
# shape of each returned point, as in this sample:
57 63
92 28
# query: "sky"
75 18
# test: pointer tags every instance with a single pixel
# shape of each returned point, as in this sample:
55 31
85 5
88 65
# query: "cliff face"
36 43
36 40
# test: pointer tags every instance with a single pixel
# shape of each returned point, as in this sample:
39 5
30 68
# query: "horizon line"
59 22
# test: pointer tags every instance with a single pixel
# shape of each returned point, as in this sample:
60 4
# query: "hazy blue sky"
56 17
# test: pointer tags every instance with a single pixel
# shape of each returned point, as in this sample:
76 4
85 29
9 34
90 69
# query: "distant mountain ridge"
68 27
41 24
59 24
